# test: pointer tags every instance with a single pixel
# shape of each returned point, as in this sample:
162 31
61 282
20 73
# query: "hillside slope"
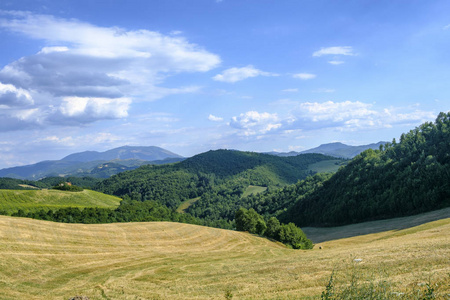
34 200
405 178
179 261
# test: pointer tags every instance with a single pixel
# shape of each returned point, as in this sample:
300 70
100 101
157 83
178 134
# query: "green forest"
402 178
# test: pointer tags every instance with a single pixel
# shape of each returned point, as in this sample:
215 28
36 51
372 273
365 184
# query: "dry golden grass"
45 260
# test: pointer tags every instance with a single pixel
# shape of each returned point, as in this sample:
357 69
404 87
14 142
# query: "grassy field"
253 189
160 260
327 166
30 200
321 234
185 205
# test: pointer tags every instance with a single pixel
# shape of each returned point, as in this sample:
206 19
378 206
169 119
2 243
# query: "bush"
289 234
67 186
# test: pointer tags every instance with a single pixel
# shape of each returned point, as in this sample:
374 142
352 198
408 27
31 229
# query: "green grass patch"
327 166
253 189
32 200
185 205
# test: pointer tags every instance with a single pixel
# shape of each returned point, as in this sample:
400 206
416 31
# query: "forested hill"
224 172
402 178
227 163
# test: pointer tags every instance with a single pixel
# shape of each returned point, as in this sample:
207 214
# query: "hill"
218 177
334 149
94 164
401 179
160 260
34 200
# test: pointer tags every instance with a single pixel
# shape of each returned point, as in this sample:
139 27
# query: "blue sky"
191 76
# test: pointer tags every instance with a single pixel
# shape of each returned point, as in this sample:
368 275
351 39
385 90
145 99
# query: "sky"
199 75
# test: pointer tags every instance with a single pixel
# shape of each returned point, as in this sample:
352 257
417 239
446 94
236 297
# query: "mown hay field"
31 200
162 260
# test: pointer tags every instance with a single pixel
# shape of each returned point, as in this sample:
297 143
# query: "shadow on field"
324 234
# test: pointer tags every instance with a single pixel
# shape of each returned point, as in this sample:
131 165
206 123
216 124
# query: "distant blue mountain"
150 153
334 149
93 163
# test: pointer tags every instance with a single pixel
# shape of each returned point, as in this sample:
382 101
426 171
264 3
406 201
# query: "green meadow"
31 200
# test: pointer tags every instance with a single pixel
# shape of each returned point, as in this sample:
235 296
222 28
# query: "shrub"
67 186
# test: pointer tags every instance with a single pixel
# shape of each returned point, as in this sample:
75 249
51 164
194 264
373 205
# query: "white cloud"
301 117
12 96
95 108
176 32
352 116
446 27
47 50
290 90
304 76
336 62
335 111
214 118
238 74
102 64
342 50
254 123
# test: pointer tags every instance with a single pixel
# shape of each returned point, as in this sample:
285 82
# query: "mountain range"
107 163
93 163
334 149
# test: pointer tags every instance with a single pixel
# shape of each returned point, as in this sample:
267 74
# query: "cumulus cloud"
86 109
304 76
326 114
238 74
13 96
214 118
336 62
312 116
353 116
254 123
105 68
341 50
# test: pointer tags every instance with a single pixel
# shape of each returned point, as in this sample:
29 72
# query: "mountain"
334 149
150 153
93 163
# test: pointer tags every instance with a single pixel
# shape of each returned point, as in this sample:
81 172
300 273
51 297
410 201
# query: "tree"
249 220
273 228
294 236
